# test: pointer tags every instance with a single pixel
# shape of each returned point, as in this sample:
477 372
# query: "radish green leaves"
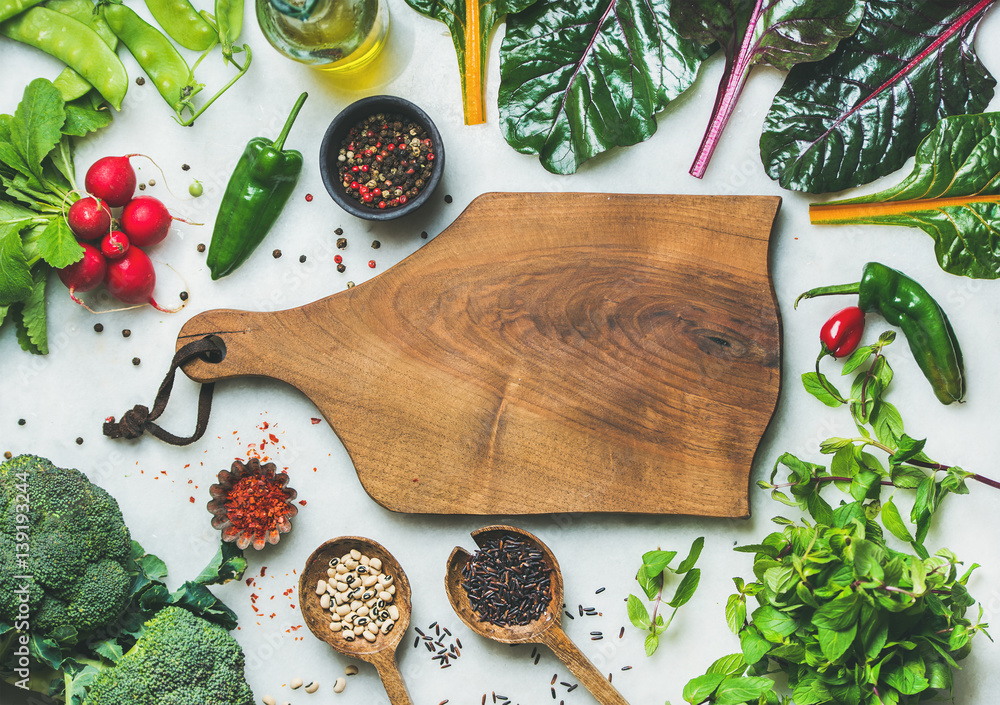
578 77
860 114
781 33
953 194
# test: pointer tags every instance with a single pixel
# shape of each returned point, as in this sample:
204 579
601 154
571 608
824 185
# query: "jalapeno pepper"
904 303
261 184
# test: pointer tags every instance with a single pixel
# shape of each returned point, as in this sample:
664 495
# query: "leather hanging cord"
140 419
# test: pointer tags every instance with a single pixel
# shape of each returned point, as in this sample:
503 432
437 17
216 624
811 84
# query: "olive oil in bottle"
333 35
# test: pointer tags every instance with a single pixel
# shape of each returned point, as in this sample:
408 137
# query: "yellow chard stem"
820 213
473 78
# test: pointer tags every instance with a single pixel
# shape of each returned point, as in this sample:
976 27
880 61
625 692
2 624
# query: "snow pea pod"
183 23
159 58
70 84
229 18
9 8
76 45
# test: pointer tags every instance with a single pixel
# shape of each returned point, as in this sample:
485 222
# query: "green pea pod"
257 192
159 58
9 8
904 303
76 45
69 83
229 18
183 24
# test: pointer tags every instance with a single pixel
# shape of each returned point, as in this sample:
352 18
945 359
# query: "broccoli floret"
77 548
180 659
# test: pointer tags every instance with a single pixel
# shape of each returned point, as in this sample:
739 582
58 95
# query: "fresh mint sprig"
652 577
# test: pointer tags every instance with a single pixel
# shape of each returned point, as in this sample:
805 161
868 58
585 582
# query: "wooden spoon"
544 630
382 652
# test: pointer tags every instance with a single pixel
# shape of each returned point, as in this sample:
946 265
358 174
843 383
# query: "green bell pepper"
257 192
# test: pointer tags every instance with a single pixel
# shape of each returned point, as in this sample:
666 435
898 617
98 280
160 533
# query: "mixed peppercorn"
385 161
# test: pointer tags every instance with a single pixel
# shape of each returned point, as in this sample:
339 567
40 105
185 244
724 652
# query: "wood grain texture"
545 353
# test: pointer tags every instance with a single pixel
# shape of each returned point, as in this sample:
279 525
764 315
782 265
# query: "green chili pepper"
264 178
904 303
183 24
76 45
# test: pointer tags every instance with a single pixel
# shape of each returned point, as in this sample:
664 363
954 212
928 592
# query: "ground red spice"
255 504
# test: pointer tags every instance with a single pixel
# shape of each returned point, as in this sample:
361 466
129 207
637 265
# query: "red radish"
131 279
146 220
85 274
114 245
89 218
112 179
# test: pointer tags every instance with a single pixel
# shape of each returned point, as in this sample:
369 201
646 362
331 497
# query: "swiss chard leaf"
861 113
952 194
578 77
471 24
781 33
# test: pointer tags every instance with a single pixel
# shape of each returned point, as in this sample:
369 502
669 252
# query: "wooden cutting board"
545 353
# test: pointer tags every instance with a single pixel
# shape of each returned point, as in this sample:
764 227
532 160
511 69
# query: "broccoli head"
68 536
180 659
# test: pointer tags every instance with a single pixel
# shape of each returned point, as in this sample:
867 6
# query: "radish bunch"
116 258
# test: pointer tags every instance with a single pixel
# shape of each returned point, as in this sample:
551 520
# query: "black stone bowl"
334 138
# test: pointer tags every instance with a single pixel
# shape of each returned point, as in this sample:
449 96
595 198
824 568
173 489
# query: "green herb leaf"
813 384
637 613
650 584
754 646
837 614
655 562
57 244
731 665
688 563
699 689
579 77
736 613
953 194
894 522
857 359
652 641
860 113
736 691
773 624
15 274
686 589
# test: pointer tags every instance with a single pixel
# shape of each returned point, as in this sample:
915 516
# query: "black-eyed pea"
324 601
339 685
367 595
295 683
369 636
375 564
361 621
363 611
320 587
372 628
312 687
384 580
344 610
340 598
334 617
387 626
356 604
360 630
365 560
268 700
362 569
385 596
355 554
351 670
348 636
391 590
369 580
393 612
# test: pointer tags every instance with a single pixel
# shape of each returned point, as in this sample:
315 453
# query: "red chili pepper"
841 334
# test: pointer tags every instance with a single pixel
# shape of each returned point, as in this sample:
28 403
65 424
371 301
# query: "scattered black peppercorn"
21 422
423 234
8 455
302 258
136 361
126 333
376 244
184 296
201 247
341 243
185 167
338 231
142 187
79 441
448 199
99 327
341 268
276 254
152 182
140 81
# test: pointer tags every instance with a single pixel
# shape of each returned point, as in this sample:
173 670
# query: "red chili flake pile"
256 504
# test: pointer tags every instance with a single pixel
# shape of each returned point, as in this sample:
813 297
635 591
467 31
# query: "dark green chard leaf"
861 113
952 194
471 24
578 77
779 33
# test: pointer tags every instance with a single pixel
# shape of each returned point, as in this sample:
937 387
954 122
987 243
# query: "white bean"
373 628
320 587
375 563
339 685
331 572
324 601
268 700
342 587
295 684
385 596
393 613
355 554
363 611
369 636
391 590
369 580
365 560
343 569
344 610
